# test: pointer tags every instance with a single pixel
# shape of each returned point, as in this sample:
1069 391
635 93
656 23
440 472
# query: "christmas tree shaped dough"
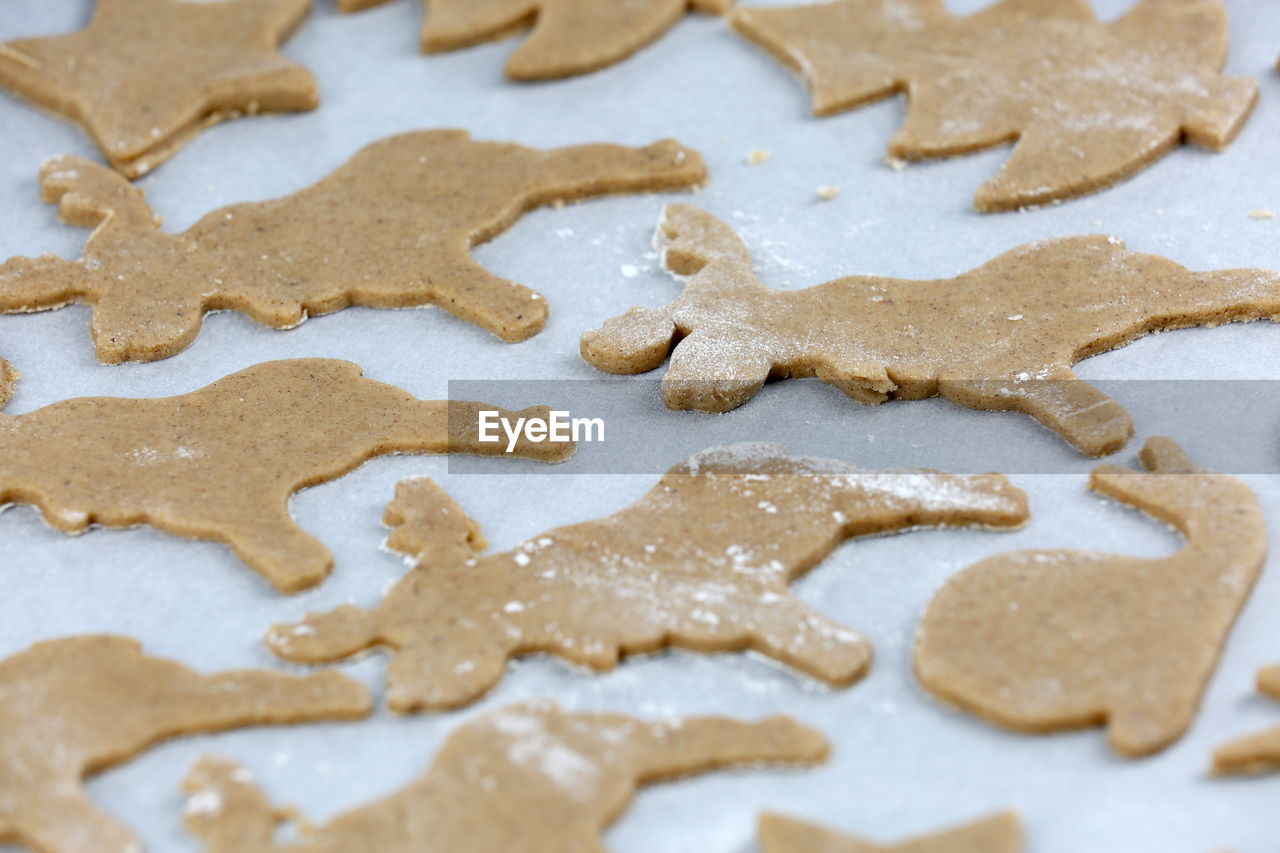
1047 640
1258 753
147 75
221 463
392 228
74 707
1001 833
527 777
702 562
1087 103
1002 337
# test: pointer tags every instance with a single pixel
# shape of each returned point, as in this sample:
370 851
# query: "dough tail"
705 743
228 811
598 169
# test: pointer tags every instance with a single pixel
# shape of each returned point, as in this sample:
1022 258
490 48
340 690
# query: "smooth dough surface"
1001 337
1001 833
1040 641
391 228
147 75
1258 753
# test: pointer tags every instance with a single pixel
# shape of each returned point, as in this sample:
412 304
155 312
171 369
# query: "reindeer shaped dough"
221 463
74 707
392 228
1258 753
1001 337
1046 640
702 562
528 778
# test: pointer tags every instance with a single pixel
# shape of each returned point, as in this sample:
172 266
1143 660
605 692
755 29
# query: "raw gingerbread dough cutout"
702 562
1087 103
221 463
8 379
568 36
145 76
1258 753
73 707
1001 833
1001 337
526 777
1040 641
392 228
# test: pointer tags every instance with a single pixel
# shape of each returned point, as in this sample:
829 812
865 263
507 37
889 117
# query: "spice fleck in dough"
1087 103
527 777
1001 833
221 463
702 562
1002 337
568 36
392 228
74 707
147 75
1046 640
1258 753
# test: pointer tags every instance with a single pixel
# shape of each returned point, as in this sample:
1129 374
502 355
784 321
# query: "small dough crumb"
1262 213
758 156
827 193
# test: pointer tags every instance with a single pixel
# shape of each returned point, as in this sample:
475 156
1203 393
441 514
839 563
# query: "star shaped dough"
1087 103
147 75
999 833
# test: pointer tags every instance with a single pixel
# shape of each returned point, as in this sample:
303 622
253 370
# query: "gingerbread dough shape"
1087 103
392 228
1040 641
1001 833
1002 337
147 75
8 379
1258 753
221 463
73 707
702 562
568 37
527 777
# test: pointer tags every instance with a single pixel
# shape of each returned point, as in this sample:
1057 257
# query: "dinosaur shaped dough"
702 562
569 36
1087 103
8 378
1258 753
221 463
1001 833
1002 337
391 228
528 778
145 76
73 707
1045 640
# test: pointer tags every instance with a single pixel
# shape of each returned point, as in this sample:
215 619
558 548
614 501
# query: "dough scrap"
526 777
1001 337
702 562
145 76
8 379
1000 833
1258 753
73 707
1045 640
568 37
221 463
391 228
1087 103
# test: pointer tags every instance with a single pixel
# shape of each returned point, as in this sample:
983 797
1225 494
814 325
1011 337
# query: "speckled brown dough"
1002 337
8 378
1088 103
74 707
392 228
1021 639
528 778
1258 753
1001 833
147 75
702 562
221 463
568 36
